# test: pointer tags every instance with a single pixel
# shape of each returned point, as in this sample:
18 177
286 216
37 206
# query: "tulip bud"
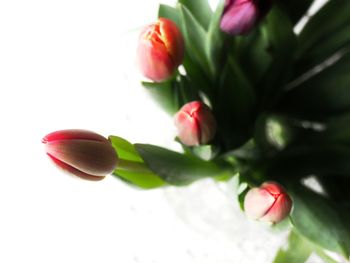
195 124
82 153
268 203
160 50
240 16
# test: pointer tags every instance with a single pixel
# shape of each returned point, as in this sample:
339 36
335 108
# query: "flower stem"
127 165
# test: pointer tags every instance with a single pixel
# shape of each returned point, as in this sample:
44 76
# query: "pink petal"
257 202
90 157
240 17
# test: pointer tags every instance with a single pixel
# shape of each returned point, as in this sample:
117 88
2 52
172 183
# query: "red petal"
279 210
172 39
72 170
90 157
73 134
154 60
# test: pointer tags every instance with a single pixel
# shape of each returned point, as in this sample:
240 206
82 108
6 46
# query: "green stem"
133 166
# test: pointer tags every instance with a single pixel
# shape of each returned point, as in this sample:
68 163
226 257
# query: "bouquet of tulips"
253 100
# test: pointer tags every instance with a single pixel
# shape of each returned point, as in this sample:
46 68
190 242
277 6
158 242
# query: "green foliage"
282 45
200 10
179 169
235 106
298 250
214 41
195 36
319 220
170 13
203 40
242 189
327 32
164 94
295 9
321 96
301 161
172 95
282 104
131 167
253 54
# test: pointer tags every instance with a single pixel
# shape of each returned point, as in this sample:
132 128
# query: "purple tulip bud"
195 123
240 16
82 153
268 203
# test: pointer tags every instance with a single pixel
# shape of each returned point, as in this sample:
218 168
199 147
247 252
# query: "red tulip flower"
160 50
269 203
195 124
82 153
240 16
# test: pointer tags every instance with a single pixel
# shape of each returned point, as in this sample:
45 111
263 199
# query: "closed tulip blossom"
240 16
160 50
268 203
195 124
83 153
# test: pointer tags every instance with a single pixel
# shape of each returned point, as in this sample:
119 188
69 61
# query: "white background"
69 64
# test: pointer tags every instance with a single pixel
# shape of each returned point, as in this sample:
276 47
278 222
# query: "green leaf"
173 94
325 257
336 187
195 71
125 149
334 130
204 152
234 107
325 49
131 167
170 13
241 196
200 10
197 76
240 187
179 169
282 39
274 133
317 219
195 38
187 90
144 180
321 96
254 55
248 151
298 251
296 9
338 130
327 32
215 40
280 34
301 161
164 94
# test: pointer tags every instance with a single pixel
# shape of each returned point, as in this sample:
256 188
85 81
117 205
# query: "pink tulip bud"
240 16
160 50
82 153
268 203
195 124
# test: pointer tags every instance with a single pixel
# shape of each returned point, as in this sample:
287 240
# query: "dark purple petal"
240 17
